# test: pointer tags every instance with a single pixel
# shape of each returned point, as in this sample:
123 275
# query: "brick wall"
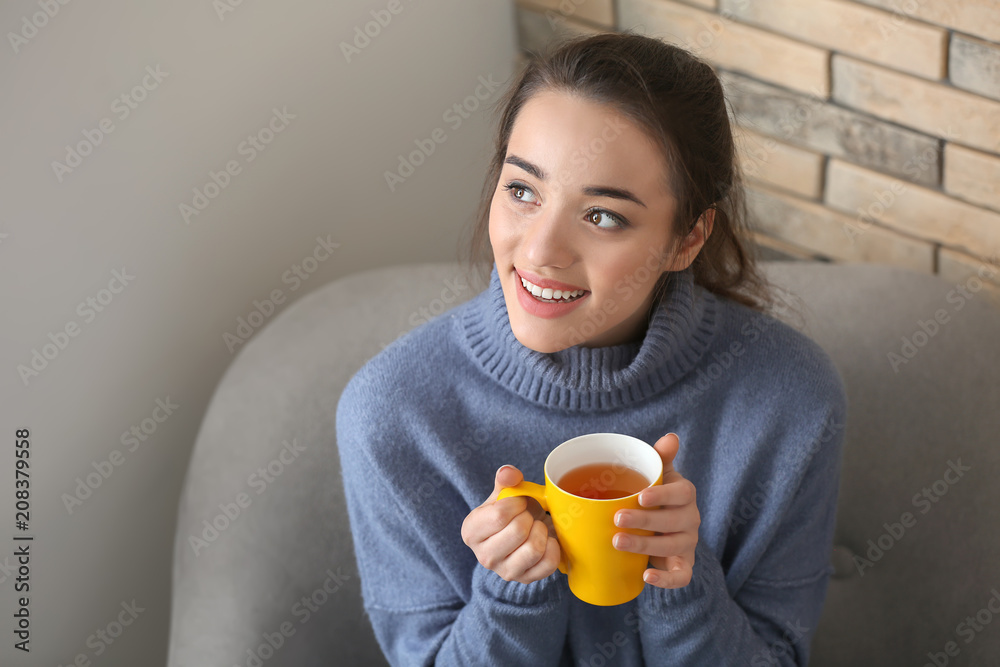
869 130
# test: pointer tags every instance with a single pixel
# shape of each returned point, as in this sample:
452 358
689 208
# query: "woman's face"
580 205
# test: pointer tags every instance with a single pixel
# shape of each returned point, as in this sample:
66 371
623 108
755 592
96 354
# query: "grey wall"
157 334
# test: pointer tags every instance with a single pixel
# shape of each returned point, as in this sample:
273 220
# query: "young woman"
621 299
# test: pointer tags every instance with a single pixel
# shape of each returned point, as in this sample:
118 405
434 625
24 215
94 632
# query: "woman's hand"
513 537
673 517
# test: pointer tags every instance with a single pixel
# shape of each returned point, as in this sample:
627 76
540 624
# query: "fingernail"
651 577
501 468
621 542
620 519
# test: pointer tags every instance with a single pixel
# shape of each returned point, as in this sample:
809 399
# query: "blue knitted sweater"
759 408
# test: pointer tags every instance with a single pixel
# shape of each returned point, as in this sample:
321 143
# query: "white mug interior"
618 449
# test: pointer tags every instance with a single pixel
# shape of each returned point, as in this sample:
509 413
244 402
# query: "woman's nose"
548 241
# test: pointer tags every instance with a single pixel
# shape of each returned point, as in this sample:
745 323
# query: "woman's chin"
539 341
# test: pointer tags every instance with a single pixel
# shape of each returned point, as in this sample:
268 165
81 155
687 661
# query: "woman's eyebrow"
591 190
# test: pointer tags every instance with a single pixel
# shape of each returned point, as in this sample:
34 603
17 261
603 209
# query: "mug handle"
536 491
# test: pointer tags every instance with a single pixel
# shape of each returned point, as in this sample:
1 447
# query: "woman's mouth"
547 302
549 295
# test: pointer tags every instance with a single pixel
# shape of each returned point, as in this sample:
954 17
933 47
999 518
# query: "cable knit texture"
759 408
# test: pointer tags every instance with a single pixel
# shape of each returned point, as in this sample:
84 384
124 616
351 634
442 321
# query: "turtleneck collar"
600 378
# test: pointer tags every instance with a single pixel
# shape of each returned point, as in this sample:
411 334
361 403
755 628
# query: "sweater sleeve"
420 613
771 619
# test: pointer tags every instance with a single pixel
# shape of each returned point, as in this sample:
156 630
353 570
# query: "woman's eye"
520 193
516 189
594 216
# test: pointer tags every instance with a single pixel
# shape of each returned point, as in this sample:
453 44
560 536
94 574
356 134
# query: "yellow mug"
598 573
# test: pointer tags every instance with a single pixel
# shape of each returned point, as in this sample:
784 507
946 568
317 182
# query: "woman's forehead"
576 141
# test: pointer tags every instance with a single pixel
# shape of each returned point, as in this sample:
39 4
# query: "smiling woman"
612 220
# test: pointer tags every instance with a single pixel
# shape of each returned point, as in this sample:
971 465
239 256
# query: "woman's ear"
694 241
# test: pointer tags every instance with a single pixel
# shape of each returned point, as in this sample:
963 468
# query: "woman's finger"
673 544
548 563
668 578
663 520
495 549
528 554
487 520
680 492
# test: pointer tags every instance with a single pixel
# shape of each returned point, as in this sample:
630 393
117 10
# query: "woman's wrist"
551 589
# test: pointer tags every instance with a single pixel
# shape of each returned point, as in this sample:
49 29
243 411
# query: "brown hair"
678 100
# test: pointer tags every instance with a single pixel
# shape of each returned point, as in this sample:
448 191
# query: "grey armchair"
264 570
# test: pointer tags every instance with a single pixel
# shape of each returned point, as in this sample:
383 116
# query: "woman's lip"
545 282
545 309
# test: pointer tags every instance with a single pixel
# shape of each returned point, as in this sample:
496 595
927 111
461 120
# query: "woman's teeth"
549 294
